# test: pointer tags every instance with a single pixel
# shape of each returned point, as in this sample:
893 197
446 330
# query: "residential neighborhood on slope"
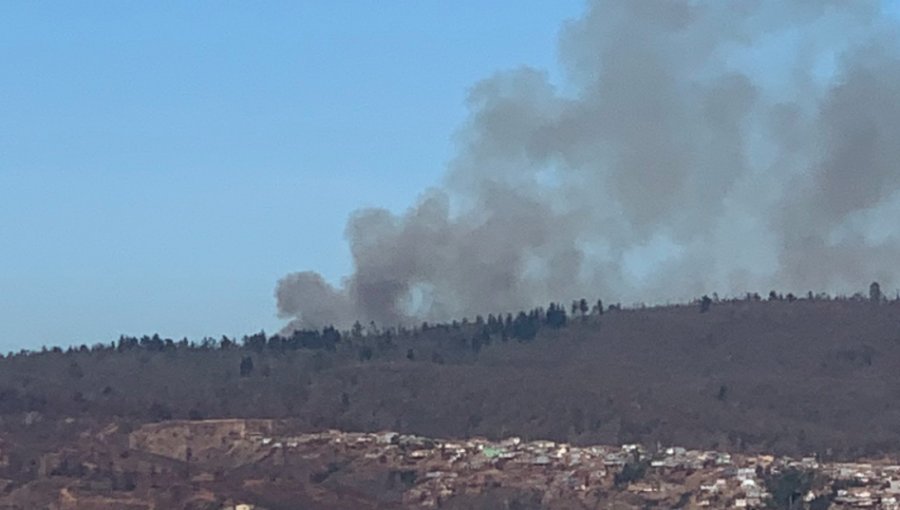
260 465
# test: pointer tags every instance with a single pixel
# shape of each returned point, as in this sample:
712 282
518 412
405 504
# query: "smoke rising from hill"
692 146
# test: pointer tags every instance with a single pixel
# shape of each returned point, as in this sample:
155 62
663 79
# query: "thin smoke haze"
691 146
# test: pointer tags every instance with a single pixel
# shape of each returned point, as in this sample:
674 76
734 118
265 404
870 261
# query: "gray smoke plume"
693 146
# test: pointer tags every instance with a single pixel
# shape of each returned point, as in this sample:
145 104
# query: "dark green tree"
705 303
556 315
723 393
789 487
246 366
875 295
583 307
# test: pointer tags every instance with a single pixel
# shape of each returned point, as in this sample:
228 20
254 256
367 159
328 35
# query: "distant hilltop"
791 375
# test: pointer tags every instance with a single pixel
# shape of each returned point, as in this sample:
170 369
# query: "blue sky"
162 164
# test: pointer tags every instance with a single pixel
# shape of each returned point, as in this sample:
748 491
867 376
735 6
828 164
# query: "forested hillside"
796 376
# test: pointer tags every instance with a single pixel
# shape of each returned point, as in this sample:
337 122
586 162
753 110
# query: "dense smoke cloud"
692 147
